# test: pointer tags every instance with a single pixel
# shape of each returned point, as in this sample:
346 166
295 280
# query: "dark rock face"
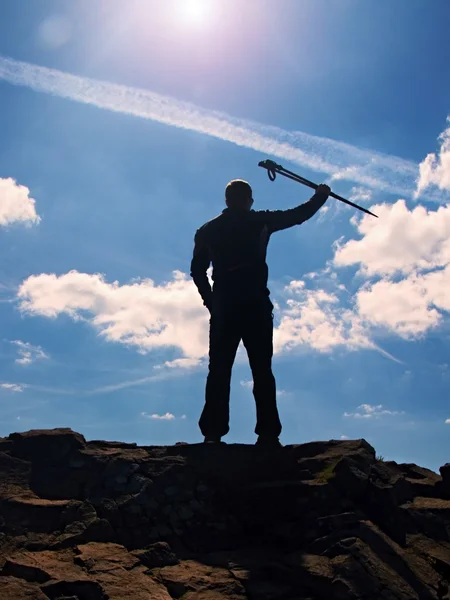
112 521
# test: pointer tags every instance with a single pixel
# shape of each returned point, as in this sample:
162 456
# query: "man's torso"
237 243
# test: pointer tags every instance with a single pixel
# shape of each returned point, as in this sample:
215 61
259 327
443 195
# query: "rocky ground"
325 520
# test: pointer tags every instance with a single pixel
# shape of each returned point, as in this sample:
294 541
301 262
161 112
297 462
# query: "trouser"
229 324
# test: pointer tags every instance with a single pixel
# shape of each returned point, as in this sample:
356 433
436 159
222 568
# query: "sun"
195 12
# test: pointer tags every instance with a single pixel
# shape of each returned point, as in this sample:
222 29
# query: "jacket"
235 242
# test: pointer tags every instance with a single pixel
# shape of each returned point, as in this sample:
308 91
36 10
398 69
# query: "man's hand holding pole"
273 169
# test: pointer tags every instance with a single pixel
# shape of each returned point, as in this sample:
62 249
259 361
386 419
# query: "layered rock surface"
325 520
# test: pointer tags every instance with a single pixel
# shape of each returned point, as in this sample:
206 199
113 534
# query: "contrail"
133 383
80 392
337 159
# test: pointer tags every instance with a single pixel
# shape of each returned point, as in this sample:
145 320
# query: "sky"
121 124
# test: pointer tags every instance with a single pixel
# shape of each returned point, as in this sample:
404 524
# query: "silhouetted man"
236 244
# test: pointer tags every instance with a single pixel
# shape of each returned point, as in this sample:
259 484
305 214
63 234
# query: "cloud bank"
337 159
141 314
146 316
402 261
400 242
405 259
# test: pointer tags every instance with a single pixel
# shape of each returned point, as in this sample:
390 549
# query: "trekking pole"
273 169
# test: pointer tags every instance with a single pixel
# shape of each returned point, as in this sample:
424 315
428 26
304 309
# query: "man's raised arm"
199 267
283 219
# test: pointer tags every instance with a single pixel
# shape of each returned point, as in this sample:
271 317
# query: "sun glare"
195 12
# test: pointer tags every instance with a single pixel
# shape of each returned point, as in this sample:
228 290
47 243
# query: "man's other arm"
283 219
199 267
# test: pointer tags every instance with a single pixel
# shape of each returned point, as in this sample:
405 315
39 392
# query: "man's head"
238 195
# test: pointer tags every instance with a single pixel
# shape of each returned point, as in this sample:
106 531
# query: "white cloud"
183 363
344 437
410 251
435 169
28 353
12 387
360 194
368 411
167 417
315 318
447 421
338 159
367 174
400 241
247 384
142 314
410 307
16 205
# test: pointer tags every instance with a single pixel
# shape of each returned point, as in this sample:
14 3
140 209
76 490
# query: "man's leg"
224 338
258 341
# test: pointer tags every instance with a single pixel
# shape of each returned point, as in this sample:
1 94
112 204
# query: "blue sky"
121 126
